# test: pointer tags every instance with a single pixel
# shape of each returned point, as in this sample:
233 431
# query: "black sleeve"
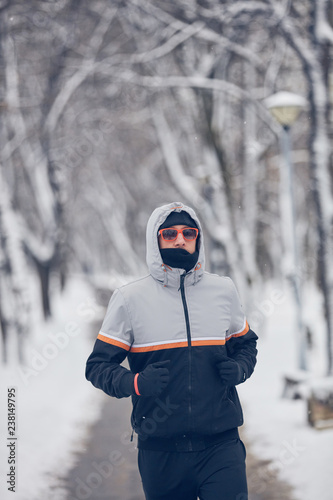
104 370
243 350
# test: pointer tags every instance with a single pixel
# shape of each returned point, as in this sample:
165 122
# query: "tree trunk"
44 271
4 336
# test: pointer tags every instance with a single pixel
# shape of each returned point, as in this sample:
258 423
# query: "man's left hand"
230 371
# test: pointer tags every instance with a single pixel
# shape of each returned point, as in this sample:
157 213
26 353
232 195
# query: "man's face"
179 242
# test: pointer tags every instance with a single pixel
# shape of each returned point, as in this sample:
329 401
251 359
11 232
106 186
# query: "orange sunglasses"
170 233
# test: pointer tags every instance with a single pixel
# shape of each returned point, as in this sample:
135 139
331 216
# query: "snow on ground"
55 403
277 428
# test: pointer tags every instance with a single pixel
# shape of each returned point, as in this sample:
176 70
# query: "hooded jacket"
187 318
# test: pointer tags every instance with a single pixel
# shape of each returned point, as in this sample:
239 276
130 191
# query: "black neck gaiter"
178 257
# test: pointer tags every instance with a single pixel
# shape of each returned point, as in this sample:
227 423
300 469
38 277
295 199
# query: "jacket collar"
172 276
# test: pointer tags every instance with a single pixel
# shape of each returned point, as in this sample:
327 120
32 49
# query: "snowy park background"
109 109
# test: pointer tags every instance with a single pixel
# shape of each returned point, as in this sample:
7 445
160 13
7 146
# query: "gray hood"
170 277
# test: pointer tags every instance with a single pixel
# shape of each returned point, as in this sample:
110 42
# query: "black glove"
153 379
230 371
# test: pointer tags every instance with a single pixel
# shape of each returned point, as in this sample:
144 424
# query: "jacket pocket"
225 413
234 399
229 397
137 412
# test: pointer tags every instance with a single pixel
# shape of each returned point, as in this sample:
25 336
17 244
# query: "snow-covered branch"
33 158
198 82
184 183
112 214
205 34
319 103
86 68
323 30
163 49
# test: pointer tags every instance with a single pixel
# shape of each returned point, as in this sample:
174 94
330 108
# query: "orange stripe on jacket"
208 342
113 342
240 334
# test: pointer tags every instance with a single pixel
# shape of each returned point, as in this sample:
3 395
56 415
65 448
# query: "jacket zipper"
189 342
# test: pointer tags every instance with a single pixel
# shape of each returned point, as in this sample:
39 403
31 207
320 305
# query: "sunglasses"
170 234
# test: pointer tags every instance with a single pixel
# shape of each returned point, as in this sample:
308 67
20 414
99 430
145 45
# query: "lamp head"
285 107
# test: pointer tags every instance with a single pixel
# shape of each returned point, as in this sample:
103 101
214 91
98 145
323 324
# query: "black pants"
216 473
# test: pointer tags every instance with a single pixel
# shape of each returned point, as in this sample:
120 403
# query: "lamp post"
285 108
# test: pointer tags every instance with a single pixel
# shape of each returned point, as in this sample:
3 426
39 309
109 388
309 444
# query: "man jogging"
188 345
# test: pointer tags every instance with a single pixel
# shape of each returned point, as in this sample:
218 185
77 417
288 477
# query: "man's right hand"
153 379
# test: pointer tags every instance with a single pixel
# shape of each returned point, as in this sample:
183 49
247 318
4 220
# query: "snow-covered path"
107 468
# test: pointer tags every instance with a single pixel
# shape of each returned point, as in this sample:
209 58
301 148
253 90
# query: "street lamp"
285 108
